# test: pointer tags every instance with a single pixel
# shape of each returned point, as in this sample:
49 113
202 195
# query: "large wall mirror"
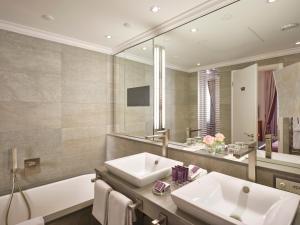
133 95
219 78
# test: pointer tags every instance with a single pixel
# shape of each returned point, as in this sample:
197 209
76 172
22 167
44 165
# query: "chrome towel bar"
136 204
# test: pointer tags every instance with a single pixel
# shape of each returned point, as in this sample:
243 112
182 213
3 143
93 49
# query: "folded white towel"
296 124
101 194
296 140
296 132
118 210
34 221
195 171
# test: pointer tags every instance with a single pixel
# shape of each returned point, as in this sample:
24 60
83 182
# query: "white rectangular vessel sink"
222 200
141 169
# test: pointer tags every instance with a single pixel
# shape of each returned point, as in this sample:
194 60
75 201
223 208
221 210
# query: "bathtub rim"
43 183
67 211
64 212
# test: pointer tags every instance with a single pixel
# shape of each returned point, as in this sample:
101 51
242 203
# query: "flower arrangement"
215 143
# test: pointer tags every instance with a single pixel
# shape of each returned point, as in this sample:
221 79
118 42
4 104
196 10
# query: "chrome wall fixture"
159 87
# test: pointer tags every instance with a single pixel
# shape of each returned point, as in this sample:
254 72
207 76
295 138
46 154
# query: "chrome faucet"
189 132
164 136
250 149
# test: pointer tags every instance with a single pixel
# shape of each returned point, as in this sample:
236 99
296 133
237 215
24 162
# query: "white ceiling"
244 29
91 20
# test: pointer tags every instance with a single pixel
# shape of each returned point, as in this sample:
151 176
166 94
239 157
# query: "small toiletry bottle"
174 174
180 175
186 174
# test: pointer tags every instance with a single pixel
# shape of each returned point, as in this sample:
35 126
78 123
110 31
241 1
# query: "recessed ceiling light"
155 8
127 25
289 26
194 30
271 1
48 17
144 48
298 43
198 64
226 17
108 36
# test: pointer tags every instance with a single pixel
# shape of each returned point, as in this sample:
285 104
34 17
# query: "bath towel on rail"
101 193
119 212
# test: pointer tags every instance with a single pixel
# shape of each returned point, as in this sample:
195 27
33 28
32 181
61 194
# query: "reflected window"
208 102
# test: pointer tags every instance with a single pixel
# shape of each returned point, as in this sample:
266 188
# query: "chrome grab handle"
161 220
249 135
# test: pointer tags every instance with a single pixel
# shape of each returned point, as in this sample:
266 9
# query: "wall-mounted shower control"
30 163
32 166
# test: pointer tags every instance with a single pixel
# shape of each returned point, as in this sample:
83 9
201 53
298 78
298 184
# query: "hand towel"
296 133
101 194
118 209
34 221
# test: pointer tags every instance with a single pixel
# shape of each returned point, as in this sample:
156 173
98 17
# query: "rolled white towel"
34 221
101 194
296 132
296 124
118 209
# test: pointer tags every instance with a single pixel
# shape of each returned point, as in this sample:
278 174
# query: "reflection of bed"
262 146
280 157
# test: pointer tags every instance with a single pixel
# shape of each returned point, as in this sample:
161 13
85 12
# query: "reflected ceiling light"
155 8
108 36
271 1
144 48
194 30
48 17
298 43
289 26
198 64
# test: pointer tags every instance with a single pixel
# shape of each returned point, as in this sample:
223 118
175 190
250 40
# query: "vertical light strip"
163 88
156 88
199 102
159 88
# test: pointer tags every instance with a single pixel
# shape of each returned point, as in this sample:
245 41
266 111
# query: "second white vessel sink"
224 200
141 169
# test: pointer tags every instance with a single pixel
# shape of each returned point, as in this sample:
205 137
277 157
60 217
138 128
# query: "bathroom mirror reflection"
133 72
220 83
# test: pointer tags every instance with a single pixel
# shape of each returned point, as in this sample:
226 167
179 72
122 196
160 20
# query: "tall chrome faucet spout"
189 132
164 136
251 151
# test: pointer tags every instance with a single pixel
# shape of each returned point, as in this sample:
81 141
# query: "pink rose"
208 140
219 137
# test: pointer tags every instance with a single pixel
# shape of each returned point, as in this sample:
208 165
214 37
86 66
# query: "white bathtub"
51 200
